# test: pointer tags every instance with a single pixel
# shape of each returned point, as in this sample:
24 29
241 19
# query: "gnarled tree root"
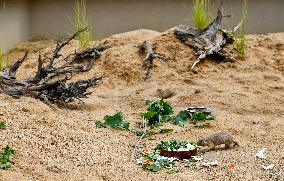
209 41
50 82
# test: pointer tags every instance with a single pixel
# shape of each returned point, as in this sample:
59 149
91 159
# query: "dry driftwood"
150 56
208 42
50 82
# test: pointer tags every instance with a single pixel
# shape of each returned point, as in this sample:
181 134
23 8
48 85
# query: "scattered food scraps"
209 164
196 158
261 154
269 167
139 161
160 158
232 165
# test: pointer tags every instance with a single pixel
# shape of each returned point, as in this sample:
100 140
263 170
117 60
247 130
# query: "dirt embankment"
247 98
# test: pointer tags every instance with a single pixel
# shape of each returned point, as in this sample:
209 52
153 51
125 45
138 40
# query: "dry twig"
144 125
150 56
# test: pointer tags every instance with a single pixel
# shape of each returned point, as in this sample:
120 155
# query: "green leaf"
210 117
139 133
157 112
2 124
6 158
9 153
166 130
116 121
166 107
172 145
99 124
147 134
151 156
153 167
169 171
149 114
181 118
195 117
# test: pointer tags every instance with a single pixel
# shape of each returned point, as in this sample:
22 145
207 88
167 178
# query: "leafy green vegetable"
115 121
198 116
169 171
2 124
6 158
154 167
157 112
147 134
166 130
139 133
181 119
155 162
151 156
172 145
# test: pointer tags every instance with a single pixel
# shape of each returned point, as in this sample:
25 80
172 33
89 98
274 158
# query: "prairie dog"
217 139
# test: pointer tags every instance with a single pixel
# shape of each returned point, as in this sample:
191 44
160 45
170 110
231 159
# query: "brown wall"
14 23
51 18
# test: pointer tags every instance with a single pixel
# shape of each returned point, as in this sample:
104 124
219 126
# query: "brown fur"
216 139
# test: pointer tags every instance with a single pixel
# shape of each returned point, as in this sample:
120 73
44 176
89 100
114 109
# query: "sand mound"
247 99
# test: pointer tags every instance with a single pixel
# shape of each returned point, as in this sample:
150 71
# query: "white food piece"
170 159
208 164
188 148
196 158
139 161
261 154
269 167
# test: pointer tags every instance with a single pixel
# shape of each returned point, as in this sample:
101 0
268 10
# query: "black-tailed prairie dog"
216 139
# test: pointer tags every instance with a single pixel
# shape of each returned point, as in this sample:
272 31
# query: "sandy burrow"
63 143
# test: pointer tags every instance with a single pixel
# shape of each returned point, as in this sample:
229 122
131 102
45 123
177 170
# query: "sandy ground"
247 98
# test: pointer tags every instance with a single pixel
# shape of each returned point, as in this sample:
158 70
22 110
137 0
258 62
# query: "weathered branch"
92 53
60 45
43 86
207 42
150 56
63 91
10 73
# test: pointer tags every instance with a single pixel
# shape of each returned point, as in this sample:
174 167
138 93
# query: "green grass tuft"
201 13
82 21
4 61
240 39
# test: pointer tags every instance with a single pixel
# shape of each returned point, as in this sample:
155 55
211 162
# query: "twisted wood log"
208 42
43 85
